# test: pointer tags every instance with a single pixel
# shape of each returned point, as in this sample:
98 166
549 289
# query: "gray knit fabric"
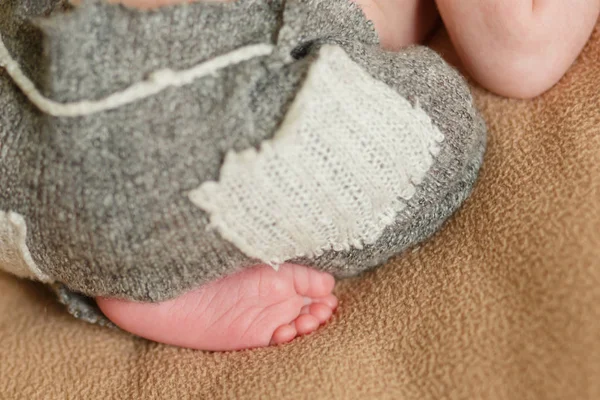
104 196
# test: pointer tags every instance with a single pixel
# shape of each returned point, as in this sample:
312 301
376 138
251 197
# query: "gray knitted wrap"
105 196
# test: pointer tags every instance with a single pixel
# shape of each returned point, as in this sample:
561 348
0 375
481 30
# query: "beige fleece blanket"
503 303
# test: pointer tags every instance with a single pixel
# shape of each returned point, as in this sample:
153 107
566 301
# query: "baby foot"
253 308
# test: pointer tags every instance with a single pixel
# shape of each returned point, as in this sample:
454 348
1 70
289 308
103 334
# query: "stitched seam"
348 156
157 82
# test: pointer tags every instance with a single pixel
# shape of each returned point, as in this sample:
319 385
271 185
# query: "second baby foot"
253 308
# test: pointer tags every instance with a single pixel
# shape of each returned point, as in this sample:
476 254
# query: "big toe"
309 282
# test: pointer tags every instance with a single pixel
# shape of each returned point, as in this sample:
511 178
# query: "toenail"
307 301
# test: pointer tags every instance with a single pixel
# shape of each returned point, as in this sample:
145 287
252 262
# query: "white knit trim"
156 83
15 257
342 165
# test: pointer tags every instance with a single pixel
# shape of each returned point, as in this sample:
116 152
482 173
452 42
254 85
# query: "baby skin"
513 48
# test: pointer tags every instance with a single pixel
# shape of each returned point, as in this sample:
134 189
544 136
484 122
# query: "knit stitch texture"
104 197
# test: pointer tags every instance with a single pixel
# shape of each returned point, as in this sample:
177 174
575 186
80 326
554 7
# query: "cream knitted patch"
344 162
14 254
